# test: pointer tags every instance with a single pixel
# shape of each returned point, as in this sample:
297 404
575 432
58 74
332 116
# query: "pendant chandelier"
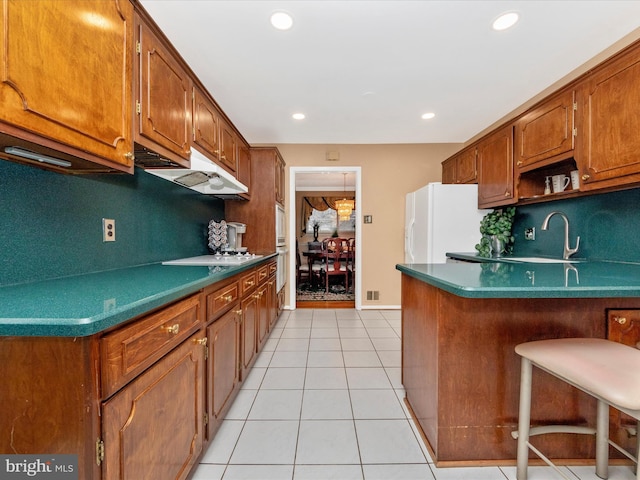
345 206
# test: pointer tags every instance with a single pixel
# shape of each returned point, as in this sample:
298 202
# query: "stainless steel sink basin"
542 260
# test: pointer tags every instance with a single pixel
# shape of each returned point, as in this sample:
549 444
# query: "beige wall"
388 172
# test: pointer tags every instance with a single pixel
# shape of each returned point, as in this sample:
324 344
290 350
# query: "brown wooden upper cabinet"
461 168
243 174
228 146
545 133
495 169
206 124
164 98
608 148
279 180
66 92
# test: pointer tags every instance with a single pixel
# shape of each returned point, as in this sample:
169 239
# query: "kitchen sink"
213 260
542 260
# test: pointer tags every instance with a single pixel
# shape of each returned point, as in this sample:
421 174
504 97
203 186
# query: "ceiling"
326 181
363 72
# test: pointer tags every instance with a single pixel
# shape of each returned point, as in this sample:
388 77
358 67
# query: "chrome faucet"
567 251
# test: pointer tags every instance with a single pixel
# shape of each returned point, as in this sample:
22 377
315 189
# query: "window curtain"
318 203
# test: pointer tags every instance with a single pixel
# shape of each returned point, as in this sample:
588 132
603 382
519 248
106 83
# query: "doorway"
328 182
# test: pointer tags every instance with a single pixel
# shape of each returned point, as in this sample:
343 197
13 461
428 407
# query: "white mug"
575 179
559 182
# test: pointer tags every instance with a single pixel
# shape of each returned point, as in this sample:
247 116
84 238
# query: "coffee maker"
235 231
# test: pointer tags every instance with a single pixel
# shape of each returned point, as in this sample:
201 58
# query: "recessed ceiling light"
506 20
298 116
427 116
281 20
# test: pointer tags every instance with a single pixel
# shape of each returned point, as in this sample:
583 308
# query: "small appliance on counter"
235 231
217 235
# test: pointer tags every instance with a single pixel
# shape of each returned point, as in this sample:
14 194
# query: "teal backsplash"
608 225
51 224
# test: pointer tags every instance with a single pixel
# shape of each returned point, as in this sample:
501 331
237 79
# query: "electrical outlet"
108 230
530 233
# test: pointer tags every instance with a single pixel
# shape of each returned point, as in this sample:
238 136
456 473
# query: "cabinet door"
248 332
495 169
223 371
272 295
449 170
153 427
546 131
623 327
263 313
466 171
244 167
68 79
206 124
610 124
280 188
228 149
164 102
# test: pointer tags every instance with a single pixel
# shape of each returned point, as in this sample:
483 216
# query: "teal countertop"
82 305
501 278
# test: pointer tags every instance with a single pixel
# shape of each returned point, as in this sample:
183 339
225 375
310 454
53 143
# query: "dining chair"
335 262
351 261
309 271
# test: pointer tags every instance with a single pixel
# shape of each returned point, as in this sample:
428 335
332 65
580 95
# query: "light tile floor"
324 401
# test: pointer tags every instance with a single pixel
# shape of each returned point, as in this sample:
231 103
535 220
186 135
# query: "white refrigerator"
439 219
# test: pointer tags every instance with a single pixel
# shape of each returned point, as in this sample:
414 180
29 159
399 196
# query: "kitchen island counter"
510 279
83 305
460 325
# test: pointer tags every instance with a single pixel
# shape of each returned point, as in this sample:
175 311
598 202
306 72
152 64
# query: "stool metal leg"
602 440
524 419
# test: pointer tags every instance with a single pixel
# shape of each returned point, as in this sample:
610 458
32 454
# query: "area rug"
306 293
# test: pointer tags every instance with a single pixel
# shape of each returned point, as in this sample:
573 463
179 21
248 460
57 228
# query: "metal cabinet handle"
173 329
228 298
202 341
620 320
586 177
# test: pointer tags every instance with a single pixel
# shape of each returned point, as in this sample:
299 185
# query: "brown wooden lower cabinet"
143 400
223 369
248 327
462 376
623 326
153 428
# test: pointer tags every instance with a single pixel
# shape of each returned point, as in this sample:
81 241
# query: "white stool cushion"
602 368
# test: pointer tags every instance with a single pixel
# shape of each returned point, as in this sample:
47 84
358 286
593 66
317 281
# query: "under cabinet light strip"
21 152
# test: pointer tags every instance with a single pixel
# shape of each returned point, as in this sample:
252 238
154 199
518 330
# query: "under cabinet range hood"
203 176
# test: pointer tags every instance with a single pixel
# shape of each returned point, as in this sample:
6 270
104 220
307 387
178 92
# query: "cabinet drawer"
219 301
263 273
128 351
273 267
247 283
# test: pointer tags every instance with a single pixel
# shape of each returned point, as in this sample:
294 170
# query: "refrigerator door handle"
409 239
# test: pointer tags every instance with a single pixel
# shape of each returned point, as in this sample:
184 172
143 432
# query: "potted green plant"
495 227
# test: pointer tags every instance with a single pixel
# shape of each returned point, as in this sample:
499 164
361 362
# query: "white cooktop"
213 260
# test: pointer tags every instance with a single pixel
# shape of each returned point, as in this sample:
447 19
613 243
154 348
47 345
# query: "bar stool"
606 370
